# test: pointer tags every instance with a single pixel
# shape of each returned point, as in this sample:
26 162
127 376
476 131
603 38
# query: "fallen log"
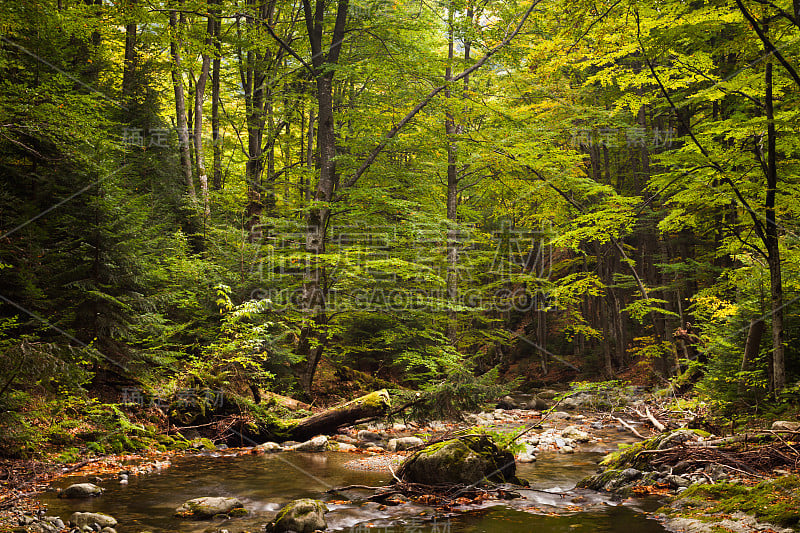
372 405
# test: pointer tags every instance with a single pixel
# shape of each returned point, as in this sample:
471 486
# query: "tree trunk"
314 288
199 98
175 44
327 422
751 346
772 245
216 180
452 181
129 65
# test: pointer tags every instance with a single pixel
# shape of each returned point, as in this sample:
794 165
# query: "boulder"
526 458
404 443
301 516
575 433
81 490
344 447
368 436
470 459
269 447
538 404
785 425
317 444
507 402
81 520
208 507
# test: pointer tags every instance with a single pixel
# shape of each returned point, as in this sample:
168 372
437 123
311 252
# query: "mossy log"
373 404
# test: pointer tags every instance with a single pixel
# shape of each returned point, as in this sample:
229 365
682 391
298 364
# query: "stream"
265 482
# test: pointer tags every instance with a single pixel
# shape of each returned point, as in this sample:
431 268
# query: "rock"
507 402
108 530
289 443
629 474
301 516
575 433
399 427
526 458
538 404
345 447
567 449
785 425
207 507
81 490
547 394
677 482
404 443
470 459
677 438
317 444
82 520
562 415
374 449
570 403
368 436
347 439
269 447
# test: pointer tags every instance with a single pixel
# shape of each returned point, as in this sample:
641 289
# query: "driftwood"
372 405
629 427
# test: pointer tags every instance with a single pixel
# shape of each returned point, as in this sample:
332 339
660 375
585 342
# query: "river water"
265 482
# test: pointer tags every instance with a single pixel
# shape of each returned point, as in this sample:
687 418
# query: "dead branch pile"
754 460
442 495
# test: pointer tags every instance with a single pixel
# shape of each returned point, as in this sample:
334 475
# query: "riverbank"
701 498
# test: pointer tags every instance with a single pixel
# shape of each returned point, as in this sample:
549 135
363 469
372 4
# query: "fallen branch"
629 427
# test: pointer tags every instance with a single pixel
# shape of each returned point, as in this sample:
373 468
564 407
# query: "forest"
211 210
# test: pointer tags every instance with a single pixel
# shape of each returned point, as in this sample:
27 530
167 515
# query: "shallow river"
265 482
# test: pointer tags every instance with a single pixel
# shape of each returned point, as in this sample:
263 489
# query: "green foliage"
460 392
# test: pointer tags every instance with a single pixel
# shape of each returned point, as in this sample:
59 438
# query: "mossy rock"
302 516
208 507
467 460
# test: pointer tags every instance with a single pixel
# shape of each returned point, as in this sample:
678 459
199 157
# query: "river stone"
785 425
345 447
207 507
525 457
538 404
507 402
82 520
404 443
575 433
269 447
81 490
629 474
368 436
317 444
301 516
677 482
470 459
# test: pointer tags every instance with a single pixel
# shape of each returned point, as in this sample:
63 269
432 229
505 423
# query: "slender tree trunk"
175 44
216 180
314 287
772 244
452 180
130 60
199 98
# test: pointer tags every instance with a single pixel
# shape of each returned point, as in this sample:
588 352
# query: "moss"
775 501
204 443
96 448
239 511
